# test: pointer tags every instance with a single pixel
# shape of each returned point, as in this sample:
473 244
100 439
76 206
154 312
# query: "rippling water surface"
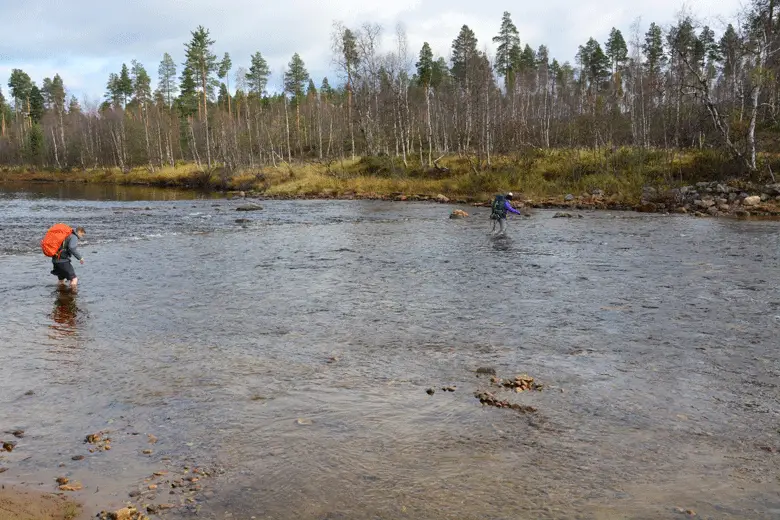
293 351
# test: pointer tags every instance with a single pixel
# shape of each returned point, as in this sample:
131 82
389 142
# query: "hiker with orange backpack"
60 243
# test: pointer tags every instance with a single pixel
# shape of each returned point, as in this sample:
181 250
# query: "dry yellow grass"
536 174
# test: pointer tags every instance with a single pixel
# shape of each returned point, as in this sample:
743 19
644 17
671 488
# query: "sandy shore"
17 504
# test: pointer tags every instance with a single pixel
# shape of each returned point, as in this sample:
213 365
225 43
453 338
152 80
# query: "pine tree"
224 73
142 96
188 97
113 91
616 50
142 84
295 77
326 91
124 84
424 78
20 85
167 79
258 74
594 63
311 90
464 50
222 98
37 104
35 140
508 39
203 63
711 48
653 49
425 66
440 74
526 62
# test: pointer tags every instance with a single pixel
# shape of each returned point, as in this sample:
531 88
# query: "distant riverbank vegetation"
656 106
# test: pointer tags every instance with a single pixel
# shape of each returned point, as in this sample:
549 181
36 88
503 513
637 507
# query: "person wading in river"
63 269
498 212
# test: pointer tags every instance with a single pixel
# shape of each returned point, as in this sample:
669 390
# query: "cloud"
85 40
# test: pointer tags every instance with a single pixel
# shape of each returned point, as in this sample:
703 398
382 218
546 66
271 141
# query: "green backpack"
498 209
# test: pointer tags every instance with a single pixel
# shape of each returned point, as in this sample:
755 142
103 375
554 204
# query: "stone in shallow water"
249 207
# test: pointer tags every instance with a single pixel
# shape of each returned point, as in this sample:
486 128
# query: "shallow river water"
290 355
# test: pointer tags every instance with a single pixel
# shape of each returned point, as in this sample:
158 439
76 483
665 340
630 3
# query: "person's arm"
509 207
73 241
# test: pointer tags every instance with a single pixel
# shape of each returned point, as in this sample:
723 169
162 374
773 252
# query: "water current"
290 354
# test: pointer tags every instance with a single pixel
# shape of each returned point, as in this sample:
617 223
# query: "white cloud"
85 40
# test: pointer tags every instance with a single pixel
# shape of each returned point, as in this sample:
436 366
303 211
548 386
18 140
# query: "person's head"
80 232
509 196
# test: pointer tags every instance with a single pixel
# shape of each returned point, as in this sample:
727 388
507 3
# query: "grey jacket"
69 247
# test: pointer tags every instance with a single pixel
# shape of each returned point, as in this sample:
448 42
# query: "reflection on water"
656 336
65 313
97 191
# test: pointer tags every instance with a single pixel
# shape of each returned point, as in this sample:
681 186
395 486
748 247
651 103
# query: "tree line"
674 87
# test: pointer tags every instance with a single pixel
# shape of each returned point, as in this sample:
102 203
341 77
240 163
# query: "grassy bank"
536 174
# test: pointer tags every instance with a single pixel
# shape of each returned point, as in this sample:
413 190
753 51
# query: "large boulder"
441 198
753 200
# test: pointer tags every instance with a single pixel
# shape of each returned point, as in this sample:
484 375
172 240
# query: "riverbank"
17 504
626 179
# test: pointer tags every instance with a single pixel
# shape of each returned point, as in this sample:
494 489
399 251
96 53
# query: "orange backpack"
52 242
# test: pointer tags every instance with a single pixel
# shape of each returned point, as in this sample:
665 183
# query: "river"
290 355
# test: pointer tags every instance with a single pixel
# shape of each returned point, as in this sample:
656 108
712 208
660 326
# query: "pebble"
77 457
147 452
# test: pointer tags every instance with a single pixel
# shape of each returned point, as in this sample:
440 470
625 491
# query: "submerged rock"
126 513
519 383
488 399
249 207
486 371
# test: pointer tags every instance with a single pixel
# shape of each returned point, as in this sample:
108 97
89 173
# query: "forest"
655 91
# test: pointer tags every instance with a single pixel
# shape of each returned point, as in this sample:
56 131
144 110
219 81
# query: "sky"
85 40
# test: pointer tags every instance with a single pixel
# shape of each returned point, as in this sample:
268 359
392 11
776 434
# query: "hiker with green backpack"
498 212
61 243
